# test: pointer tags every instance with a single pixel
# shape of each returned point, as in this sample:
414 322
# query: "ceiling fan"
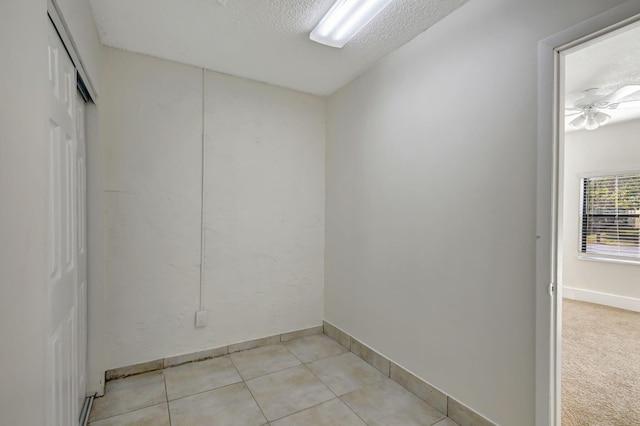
590 109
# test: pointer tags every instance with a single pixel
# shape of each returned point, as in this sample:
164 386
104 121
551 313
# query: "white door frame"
65 35
550 138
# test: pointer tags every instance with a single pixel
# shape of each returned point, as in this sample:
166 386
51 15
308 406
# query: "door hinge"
552 289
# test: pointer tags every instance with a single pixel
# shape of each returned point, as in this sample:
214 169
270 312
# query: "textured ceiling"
607 63
264 40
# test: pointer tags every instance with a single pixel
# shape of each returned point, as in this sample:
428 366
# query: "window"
611 216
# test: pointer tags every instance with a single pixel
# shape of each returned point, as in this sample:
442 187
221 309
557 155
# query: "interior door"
63 270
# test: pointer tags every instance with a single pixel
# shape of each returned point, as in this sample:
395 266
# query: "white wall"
431 199
23 193
264 208
611 148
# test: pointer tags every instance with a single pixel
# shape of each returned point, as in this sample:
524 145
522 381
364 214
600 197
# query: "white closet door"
63 397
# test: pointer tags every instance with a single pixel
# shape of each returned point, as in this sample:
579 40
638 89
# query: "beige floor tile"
328 413
232 405
156 415
265 360
388 403
128 394
446 422
311 348
288 391
189 379
345 373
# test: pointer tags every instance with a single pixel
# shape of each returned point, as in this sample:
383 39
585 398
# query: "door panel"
64 230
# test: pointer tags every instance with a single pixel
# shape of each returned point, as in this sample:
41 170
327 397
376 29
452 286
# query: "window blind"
611 216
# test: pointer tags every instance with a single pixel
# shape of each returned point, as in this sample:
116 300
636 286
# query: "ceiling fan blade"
622 92
624 105
572 114
572 110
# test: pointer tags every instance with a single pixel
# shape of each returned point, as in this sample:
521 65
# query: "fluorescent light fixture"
345 19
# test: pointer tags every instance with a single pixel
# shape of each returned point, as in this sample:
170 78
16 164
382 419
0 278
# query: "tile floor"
307 381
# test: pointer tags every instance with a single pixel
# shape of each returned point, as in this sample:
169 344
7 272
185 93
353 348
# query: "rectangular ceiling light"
345 19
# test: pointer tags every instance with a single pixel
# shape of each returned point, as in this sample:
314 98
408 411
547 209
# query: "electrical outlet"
201 318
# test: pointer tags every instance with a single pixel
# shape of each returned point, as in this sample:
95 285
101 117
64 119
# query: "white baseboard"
615 301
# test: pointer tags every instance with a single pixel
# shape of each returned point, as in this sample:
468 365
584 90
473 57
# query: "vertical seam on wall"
202 193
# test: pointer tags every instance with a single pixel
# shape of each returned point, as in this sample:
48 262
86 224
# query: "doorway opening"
597 309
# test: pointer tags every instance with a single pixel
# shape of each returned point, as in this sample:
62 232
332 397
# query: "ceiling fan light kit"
602 118
345 19
578 122
590 112
590 120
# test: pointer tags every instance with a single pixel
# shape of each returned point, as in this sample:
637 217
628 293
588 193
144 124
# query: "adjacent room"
329 212
600 229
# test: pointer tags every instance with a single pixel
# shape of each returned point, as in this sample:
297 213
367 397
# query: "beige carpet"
600 365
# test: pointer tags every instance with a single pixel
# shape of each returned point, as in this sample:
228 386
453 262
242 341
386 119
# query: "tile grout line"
301 362
273 372
291 352
163 360
244 382
309 408
338 397
252 396
377 383
242 379
327 385
166 395
352 410
138 408
321 381
205 391
349 349
266 374
305 364
125 412
337 355
438 421
349 407
322 357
